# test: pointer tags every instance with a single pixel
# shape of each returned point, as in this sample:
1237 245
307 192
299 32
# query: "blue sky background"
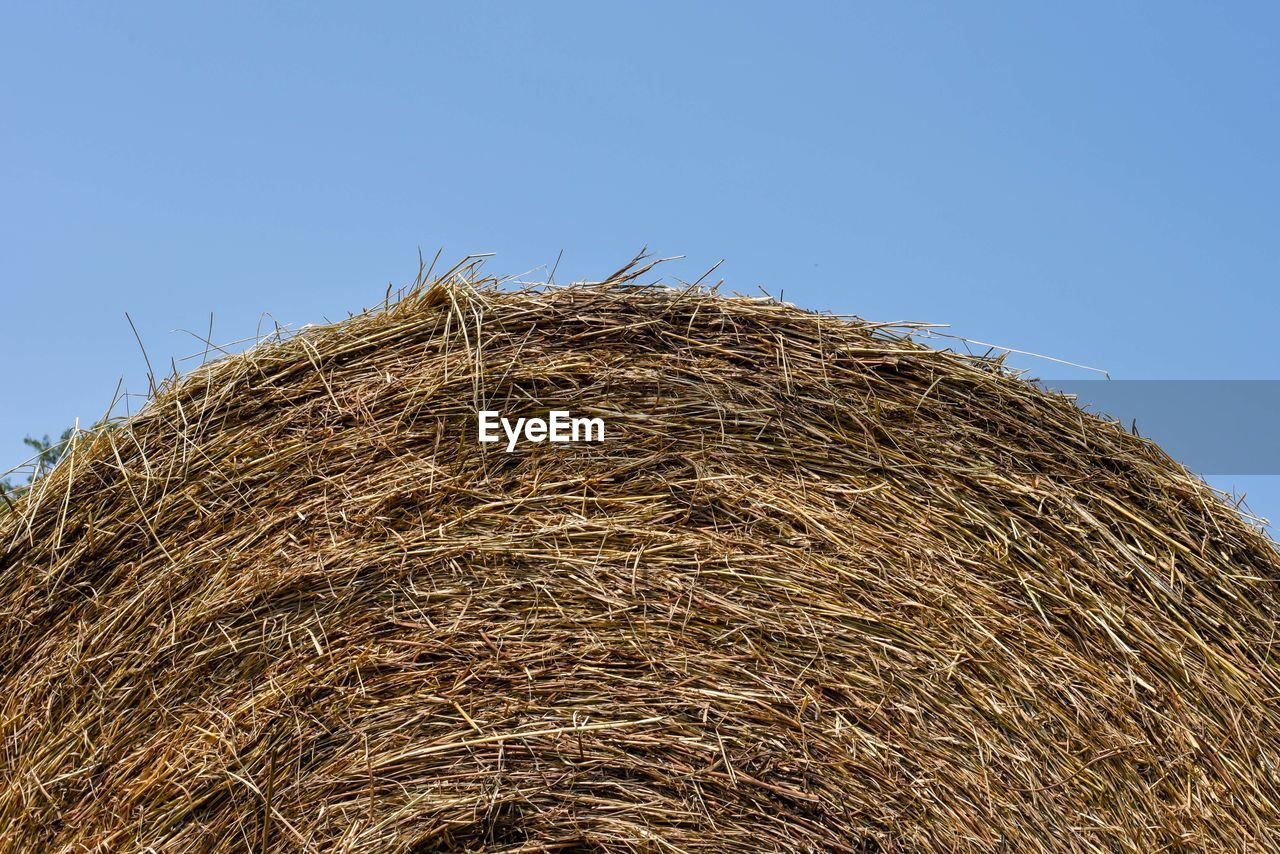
1095 181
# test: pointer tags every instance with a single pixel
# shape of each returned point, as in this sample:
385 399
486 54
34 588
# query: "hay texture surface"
821 588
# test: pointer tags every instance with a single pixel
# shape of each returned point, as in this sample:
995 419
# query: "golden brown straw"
821 588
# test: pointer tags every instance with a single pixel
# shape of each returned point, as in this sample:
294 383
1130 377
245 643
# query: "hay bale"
819 588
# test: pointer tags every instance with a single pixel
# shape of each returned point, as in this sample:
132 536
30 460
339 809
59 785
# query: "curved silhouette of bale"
819 588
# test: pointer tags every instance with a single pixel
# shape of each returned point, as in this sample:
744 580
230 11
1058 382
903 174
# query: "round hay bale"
819 588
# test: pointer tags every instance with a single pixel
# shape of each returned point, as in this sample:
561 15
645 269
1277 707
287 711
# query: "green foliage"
48 453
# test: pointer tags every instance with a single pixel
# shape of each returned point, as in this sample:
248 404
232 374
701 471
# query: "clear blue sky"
1096 181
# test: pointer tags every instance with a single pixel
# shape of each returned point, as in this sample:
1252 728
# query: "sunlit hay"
819 588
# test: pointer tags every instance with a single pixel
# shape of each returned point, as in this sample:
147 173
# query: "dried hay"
820 588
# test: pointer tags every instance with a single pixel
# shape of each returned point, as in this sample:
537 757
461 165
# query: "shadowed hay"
820 588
